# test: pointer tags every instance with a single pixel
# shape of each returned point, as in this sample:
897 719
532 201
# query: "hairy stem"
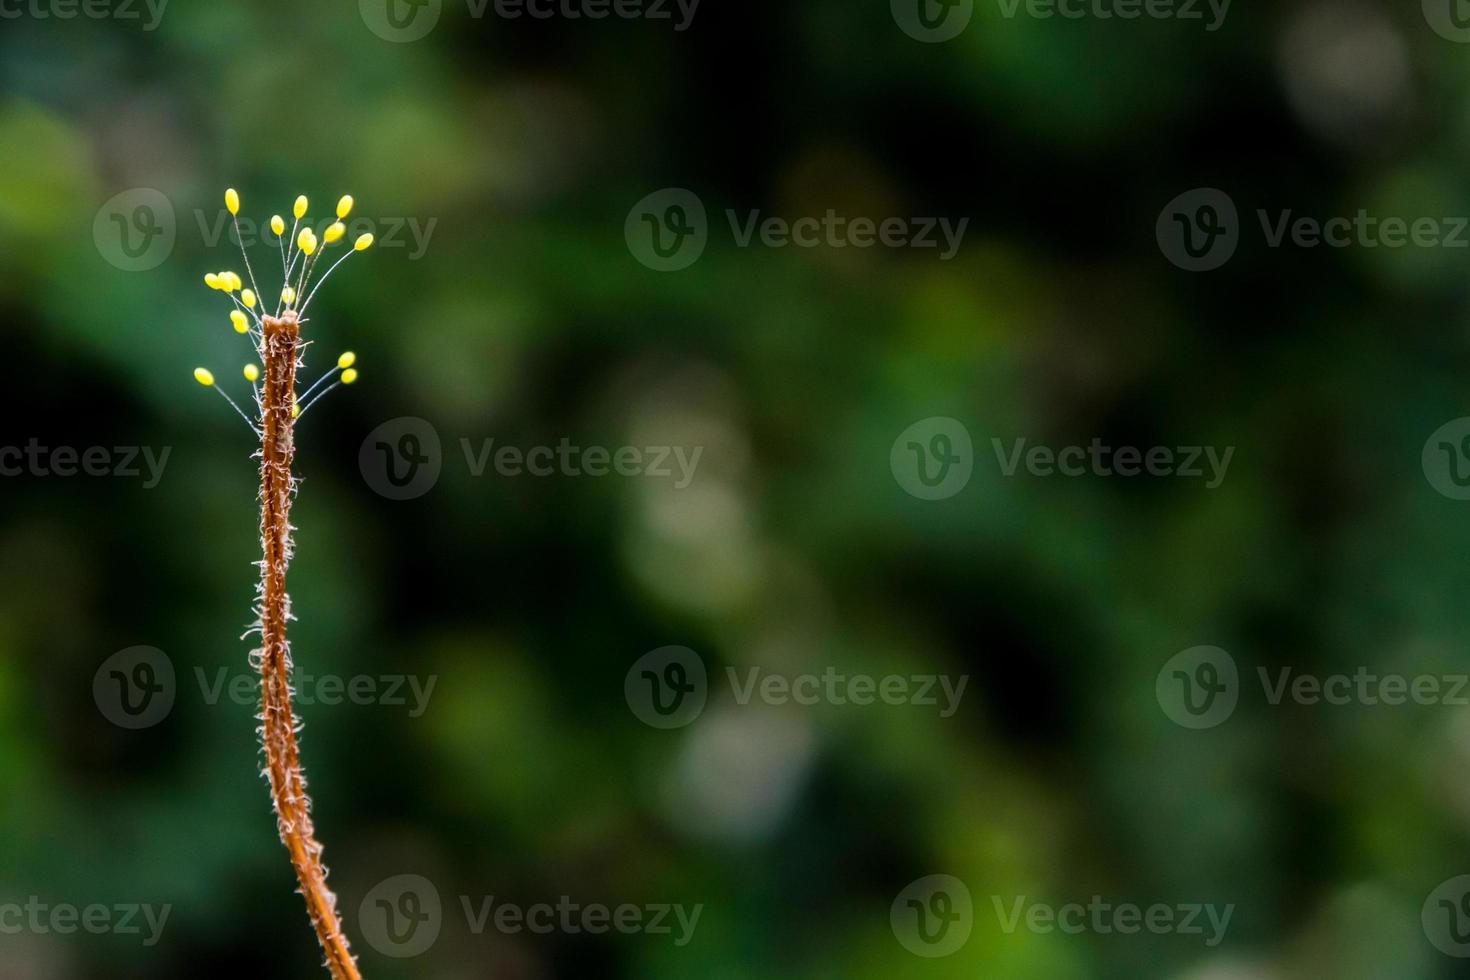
280 342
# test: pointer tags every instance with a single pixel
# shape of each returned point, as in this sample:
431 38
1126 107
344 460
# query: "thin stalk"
281 345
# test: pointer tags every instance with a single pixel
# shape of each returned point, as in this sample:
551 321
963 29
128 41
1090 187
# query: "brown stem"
281 341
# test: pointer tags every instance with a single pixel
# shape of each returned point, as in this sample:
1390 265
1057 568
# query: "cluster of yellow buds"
299 254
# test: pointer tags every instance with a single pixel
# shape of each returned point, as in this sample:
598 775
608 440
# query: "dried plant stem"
280 344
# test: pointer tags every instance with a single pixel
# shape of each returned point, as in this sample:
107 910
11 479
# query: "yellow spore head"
232 201
203 376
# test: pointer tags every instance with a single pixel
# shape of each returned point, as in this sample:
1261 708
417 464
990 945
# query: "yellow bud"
237 318
300 208
349 376
347 360
247 296
230 280
363 243
288 296
344 206
295 410
212 281
306 241
203 376
252 373
232 201
334 232
278 225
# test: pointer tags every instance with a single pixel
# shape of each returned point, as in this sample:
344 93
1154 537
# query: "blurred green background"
519 146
